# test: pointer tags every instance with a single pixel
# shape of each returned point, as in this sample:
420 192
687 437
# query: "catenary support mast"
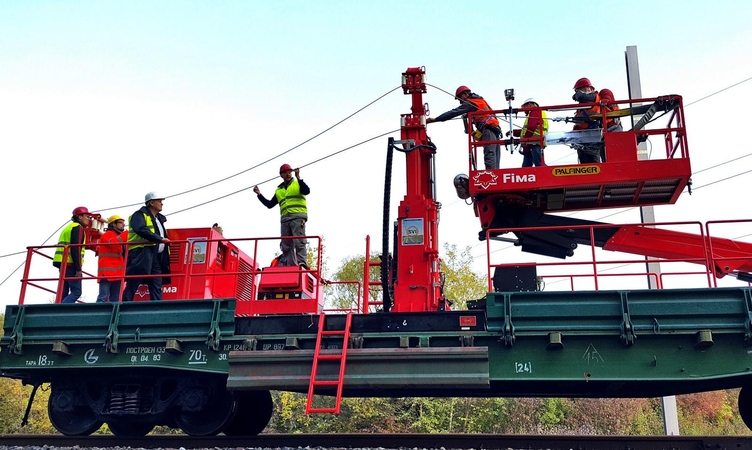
417 285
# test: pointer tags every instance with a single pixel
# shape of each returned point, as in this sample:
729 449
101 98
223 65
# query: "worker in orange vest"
607 99
486 125
111 252
584 92
612 123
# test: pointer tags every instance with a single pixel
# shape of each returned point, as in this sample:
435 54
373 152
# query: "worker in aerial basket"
584 92
486 125
111 263
536 123
148 249
291 198
607 99
72 234
612 123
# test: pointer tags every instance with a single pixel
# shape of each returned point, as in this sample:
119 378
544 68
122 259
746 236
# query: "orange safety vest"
276 261
486 119
588 112
110 251
611 121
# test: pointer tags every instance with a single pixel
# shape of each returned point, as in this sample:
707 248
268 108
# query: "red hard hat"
460 90
284 168
80 210
606 94
582 82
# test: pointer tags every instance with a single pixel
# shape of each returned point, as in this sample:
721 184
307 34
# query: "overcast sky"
103 101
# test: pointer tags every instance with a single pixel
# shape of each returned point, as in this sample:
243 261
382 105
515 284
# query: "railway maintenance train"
230 331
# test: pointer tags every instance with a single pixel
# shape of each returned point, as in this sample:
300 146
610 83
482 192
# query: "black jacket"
140 259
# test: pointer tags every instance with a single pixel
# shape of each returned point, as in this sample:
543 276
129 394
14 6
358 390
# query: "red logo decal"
485 179
468 321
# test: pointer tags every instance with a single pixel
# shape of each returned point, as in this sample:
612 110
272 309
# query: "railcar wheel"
254 411
745 405
130 429
212 418
70 414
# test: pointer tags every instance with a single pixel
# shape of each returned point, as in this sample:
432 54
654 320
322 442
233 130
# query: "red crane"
417 278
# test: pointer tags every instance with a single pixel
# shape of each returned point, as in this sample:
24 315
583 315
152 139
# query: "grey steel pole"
647 215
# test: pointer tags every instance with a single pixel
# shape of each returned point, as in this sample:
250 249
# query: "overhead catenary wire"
453 96
271 179
340 151
265 161
21 253
231 176
573 213
717 92
696 172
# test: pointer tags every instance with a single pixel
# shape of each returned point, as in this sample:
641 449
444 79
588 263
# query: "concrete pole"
647 215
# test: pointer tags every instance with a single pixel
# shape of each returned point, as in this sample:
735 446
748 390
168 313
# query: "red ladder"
340 357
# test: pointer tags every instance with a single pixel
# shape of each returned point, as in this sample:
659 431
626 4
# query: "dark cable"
263 162
726 162
385 260
722 179
12 254
718 92
24 261
271 179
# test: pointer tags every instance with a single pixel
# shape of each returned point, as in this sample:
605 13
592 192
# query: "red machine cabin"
205 265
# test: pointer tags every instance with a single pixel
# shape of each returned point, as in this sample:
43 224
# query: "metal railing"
720 256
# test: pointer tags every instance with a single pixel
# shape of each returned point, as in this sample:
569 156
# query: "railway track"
388 441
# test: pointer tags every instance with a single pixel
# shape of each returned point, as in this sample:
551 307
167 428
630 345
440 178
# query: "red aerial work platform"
623 181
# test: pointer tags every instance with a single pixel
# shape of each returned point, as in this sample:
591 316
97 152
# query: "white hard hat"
530 100
153 196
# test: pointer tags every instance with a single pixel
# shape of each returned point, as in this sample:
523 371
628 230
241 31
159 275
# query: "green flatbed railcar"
195 366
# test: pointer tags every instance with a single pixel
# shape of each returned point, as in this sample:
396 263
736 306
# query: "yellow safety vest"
64 239
536 132
290 200
134 237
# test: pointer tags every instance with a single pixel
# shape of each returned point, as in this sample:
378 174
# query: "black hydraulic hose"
386 298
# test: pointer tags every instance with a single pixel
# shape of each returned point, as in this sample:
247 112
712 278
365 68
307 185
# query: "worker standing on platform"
486 125
291 198
584 92
72 234
111 264
149 249
535 123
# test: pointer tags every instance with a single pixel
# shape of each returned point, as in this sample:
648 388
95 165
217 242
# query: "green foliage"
461 283
312 257
14 397
508 415
351 269
13 400
708 413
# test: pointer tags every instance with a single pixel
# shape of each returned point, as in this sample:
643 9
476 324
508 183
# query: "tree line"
708 413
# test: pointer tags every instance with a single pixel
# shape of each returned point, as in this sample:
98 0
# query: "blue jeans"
109 291
71 288
532 158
